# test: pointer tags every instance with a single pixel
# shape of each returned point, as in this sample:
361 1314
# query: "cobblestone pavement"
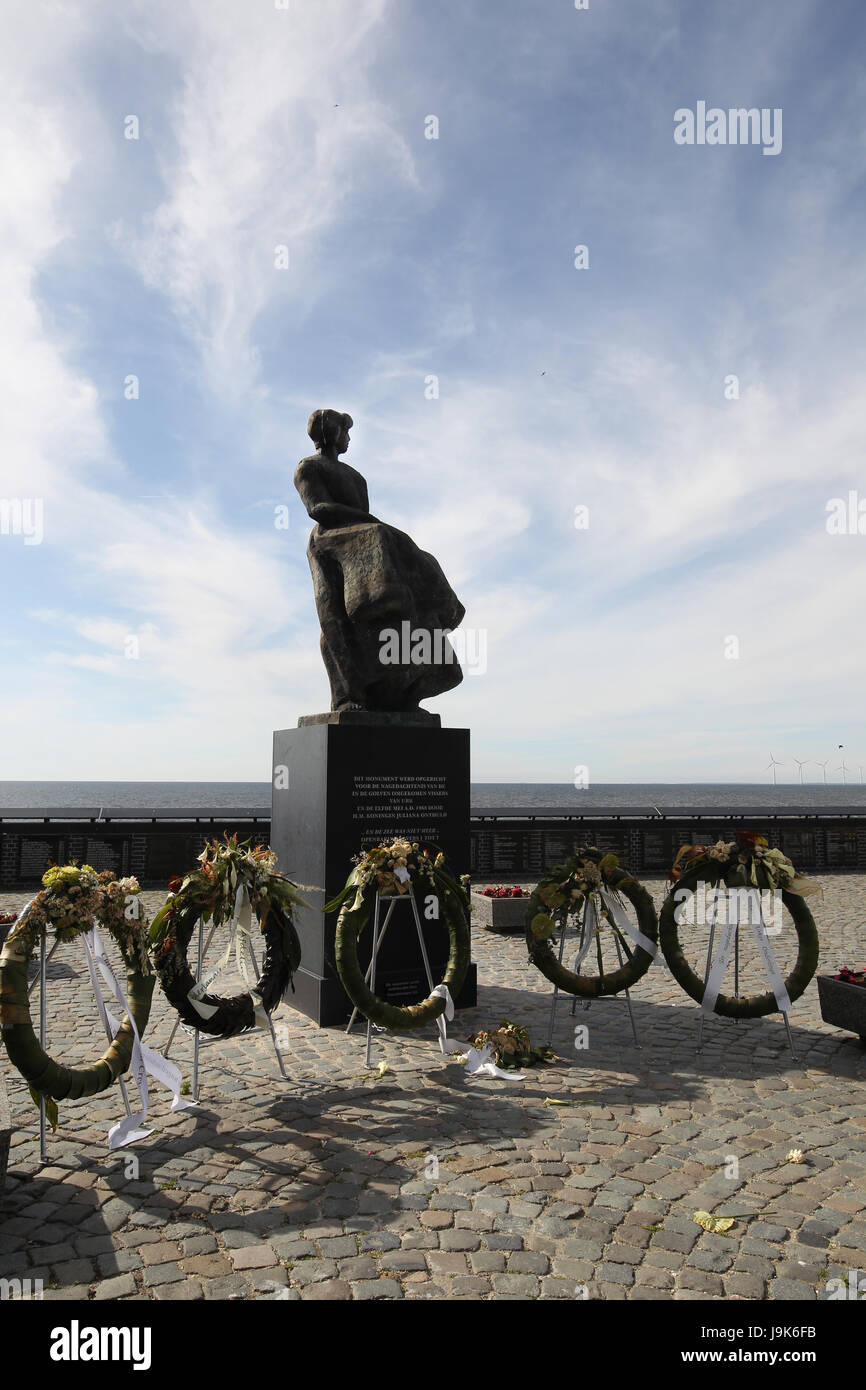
428 1183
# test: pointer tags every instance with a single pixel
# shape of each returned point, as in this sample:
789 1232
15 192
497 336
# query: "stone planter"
499 914
843 1005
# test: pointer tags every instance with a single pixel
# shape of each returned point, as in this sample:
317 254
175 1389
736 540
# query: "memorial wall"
499 850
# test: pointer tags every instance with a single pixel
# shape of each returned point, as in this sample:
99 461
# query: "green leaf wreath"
208 894
390 869
73 899
562 894
747 862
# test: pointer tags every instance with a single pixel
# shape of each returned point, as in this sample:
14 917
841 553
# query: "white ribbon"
481 1064
622 921
25 912
243 949
163 1070
445 1043
126 1131
590 926
239 939
477 1063
202 986
144 1059
720 964
771 967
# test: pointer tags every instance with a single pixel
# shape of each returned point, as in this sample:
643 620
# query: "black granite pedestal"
343 784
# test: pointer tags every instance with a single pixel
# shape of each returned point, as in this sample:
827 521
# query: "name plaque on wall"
108 854
36 856
508 852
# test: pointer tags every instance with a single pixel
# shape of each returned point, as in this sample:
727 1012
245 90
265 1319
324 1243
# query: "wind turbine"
824 766
859 765
801 763
773 764
843 769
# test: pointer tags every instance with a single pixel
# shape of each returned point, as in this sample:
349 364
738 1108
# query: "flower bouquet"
510 1047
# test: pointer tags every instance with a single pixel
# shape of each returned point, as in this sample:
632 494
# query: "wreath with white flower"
747 862
73 900
592 883
390 870
230 876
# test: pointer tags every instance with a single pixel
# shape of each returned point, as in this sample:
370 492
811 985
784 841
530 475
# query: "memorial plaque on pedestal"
343 787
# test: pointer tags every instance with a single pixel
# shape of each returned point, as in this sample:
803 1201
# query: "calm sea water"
199 795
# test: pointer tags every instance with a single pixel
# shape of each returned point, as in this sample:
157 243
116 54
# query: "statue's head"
329 429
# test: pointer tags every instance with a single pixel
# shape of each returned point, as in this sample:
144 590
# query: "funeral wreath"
232 882
394 870
744 869
72 901
591 889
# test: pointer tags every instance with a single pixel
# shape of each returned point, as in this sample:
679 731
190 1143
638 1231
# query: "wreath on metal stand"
391 870
73 900
592 882
232 883
747 864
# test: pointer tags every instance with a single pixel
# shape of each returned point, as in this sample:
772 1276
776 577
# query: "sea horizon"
163 795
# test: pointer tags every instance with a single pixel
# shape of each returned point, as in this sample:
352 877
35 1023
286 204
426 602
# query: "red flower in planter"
851 977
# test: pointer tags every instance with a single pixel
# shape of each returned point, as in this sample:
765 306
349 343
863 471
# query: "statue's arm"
319 503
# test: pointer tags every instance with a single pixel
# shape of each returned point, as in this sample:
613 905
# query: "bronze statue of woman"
371 581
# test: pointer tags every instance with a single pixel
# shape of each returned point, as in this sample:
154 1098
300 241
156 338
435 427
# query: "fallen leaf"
51 1114
713 1223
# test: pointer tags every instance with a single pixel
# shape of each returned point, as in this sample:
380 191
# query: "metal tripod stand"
40 979
198 1040
378 938
581 922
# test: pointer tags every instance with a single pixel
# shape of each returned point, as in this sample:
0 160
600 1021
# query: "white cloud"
275 132
706 515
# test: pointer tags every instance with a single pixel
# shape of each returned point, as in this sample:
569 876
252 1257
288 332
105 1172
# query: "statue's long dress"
369 578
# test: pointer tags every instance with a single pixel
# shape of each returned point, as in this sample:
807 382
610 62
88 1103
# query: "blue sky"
409 257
